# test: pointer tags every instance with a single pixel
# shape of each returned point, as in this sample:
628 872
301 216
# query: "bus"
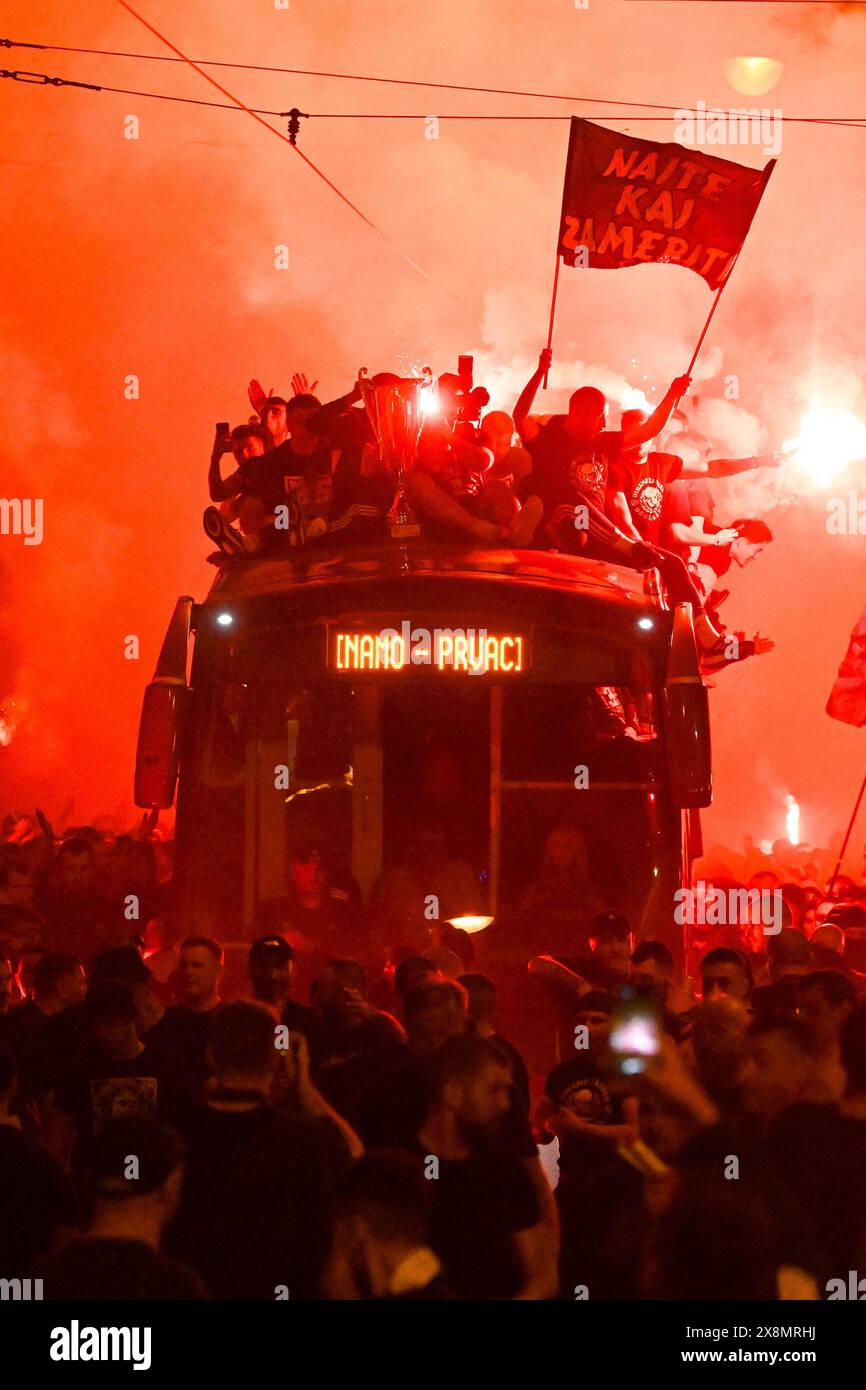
356 697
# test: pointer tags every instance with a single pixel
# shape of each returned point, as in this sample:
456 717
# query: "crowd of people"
690 1128
312 474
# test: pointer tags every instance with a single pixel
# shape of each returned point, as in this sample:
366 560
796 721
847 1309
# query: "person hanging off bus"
640 484
566 495
449 487
643 489
251 495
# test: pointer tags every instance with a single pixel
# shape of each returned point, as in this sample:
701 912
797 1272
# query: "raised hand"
257 395
300 385
679 386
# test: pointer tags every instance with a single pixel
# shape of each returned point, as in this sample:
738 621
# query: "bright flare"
828 441
792 821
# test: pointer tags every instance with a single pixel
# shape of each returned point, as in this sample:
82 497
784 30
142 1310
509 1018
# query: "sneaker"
218 529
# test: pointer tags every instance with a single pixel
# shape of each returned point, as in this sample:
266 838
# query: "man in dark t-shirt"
252 493
584 1099
270 965
485 1222
355 1044
307 460
254 1214
566 469
114 1074
571 460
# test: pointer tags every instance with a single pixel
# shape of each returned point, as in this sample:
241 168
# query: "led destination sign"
469 651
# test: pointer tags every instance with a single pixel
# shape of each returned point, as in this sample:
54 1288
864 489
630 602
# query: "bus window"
276 771
436 769
549 731
584 823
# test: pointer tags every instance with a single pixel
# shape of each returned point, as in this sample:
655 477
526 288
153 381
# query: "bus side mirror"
687 718
160 730
159 738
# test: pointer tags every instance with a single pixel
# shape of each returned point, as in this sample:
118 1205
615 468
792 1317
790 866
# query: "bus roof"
599 580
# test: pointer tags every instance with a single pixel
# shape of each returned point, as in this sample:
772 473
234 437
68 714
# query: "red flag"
628 201
848 697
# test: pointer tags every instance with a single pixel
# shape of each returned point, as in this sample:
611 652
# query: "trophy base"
405 530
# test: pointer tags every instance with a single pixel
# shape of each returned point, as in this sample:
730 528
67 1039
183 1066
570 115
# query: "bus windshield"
501 786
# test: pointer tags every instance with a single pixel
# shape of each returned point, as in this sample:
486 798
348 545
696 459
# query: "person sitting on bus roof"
449 486
361 490
307 460
250 495
511 462
574 457
273 418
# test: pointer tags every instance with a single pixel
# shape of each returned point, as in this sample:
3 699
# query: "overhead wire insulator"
295 117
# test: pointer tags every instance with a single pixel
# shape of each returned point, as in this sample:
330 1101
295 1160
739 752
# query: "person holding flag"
573 463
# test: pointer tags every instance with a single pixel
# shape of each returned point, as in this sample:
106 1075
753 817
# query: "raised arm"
694 533
726 468
553 973
655 423
326 415
524 426
219 488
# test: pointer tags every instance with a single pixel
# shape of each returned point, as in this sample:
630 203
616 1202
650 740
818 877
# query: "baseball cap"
272 947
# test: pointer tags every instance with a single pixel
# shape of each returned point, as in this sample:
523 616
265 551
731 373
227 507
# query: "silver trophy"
393 405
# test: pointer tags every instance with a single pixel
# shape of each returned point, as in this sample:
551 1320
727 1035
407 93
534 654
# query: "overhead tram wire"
292 146
42 79
199 63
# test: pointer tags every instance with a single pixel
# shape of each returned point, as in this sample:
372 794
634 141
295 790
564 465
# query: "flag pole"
552 307
715 304
848 831
576 121
713 308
